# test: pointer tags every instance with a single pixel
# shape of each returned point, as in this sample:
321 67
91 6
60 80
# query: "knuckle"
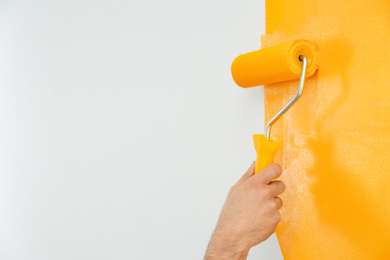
254 184
274 205
282 186
279 187
267 192
277 217
281 202
276 168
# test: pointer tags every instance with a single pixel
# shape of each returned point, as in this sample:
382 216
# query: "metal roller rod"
292 101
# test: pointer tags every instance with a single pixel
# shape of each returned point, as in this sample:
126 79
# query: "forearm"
223 248
249 215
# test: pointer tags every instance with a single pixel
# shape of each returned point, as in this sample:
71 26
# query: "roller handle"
265 150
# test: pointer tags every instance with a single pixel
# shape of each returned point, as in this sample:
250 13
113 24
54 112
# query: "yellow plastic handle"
265 150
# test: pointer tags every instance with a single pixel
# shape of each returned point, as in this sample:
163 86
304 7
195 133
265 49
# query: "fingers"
279 202
270 173
249 173
277 187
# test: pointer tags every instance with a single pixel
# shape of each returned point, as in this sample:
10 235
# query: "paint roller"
283 62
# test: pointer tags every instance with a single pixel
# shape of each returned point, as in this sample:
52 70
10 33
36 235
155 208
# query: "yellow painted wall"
336 138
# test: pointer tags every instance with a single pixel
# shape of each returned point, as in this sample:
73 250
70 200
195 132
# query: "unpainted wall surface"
121 130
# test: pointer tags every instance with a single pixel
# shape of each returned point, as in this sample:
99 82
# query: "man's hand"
249 216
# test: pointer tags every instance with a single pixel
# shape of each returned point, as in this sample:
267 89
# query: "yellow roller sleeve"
265 150
277 63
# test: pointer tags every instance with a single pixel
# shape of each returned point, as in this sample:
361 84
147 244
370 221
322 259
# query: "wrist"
226 247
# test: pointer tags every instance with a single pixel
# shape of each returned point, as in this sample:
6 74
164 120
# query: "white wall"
121 128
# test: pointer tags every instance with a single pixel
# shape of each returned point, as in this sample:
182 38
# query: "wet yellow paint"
336 138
